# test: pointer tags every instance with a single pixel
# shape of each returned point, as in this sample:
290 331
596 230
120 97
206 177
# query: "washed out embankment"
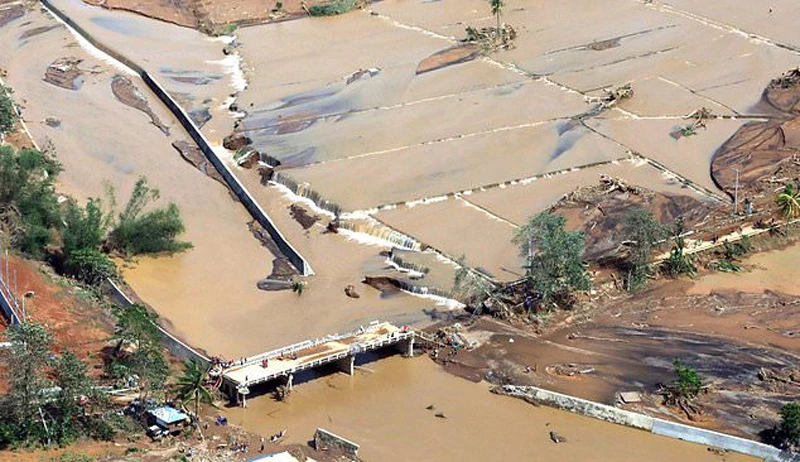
761 156
720 441
630 346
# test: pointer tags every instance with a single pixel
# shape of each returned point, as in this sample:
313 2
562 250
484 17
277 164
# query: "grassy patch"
333 8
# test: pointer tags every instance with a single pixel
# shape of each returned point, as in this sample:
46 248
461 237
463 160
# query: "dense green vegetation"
688 383
29 210
75 238
553 259
139 351
8 116
52 399
138 231
333 8
641 233
789 428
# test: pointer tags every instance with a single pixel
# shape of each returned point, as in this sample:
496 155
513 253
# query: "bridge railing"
307 344
352 350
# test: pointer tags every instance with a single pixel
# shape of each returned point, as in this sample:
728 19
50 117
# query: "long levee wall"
173 344
233 183
653 425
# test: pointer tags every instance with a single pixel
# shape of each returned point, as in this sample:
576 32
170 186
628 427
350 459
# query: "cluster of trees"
554 266
787 433
553 260
553 255
78 239
52 400
51 397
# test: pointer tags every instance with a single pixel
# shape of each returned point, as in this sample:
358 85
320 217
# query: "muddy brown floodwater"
363 160
383 407
768 271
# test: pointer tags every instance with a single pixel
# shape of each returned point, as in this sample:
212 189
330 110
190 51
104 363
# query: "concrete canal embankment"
244 196
535 395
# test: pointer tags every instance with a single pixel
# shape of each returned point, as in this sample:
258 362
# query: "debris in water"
557 438
492 38
236 141
128 94
192 154
247 157
302 216
350 291
362 74
65 73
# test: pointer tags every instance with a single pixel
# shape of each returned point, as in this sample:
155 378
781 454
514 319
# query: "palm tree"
789 201
298 287
497 10
191 386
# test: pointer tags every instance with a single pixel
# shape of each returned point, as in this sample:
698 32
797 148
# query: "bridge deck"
309 354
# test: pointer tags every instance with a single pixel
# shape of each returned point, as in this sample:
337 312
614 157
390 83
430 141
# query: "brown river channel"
208 295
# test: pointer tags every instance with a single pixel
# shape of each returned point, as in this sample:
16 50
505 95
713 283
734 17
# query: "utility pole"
736 194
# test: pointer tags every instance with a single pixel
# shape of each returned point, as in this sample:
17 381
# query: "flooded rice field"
189 64
357 115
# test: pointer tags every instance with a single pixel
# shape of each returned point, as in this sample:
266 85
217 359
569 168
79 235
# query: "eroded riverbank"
384 408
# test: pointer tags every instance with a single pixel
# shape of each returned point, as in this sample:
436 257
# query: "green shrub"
552 254
688 383
27 195
90 266
155 231
8 116
790 423
333 8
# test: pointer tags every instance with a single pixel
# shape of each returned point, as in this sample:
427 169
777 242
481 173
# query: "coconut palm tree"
497 10
191 386
298 287
788 201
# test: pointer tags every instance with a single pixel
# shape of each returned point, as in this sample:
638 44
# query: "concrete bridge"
285 362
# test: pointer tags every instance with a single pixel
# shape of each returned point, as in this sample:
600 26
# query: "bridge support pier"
347 364
406 347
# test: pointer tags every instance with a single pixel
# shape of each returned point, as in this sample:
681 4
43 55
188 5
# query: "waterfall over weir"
374 228
304 190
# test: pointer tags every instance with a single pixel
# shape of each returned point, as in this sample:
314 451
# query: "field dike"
540 396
